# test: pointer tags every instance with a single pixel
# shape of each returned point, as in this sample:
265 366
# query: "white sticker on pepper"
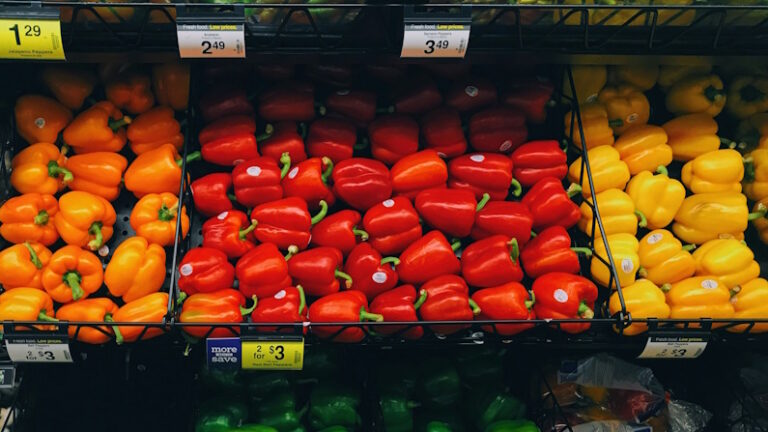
471 91
627 265
655 238
561 296
477 158
253 171
506 145
388 203
222 215
293 173
709 284
185 270
379 277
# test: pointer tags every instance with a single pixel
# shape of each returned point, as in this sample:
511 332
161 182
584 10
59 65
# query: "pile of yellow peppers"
72 169
677 243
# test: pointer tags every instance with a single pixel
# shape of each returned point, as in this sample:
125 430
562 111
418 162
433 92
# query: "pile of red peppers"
328 204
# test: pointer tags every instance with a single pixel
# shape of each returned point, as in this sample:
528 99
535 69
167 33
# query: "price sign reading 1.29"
33 39
435 40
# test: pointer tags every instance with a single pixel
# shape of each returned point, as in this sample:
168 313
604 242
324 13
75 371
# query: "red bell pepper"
258 180
339 230
442 132
286 222
357 105
491 261
288 101
341 307
276 71
483 173
204 270
399 305
499 129
228 232
227 126
317 270
512 219
309 181
392 225
417 95
263 271
333 138
334 75
219 102
451 211
210 193
392 137
471 94
510 301
389 73
288 305
447 300
550 204
361 183
418 171
535 160
427 258
551 251
233 149
531 96
565 296
285 139
223 306
371 274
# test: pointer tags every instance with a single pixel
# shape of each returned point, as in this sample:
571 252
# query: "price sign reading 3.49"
435 40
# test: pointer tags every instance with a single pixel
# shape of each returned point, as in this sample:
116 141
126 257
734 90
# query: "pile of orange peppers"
93 137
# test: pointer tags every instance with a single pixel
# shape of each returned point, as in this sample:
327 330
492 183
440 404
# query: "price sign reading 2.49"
287 354
33 39
211 40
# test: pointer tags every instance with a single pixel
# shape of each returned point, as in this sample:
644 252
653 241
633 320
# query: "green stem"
514 253
475 308
321 214
42 316
302 299
582 250
33 256
533 234
573 190
321 110
268 131
182 297
72 279
98 237
232 197
585 311
483 201
761 210
285 159
360 233
456 245
55 170
614 123
420 301
41 218
529 303
367 316
395 261
347 278
662 170
642 272
117 124
749 169
292 250
116 329
666 287
517 188
166 214
328 163
195 155
362 144
643 221
713 94
244 232
689 247
247 310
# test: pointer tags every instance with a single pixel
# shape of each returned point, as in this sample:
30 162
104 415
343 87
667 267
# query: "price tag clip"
218 34
435 34
30 33
688 344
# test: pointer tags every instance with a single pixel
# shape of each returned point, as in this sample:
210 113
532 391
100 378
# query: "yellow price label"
273 354
31 39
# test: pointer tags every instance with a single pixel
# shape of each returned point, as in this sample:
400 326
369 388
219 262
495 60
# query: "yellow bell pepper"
671 74
588 81
624 249
730 260
594 122
697 94
656 197
626 105
663 259
751 302
761 224
608 171
692 135
136 269
752 132
644 148
756 174
716 171
700 297
707 216
643 299
616 210
641 76
747 95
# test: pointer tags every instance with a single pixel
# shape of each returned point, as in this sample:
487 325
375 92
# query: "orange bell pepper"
156 171
71 85
137 268
26 304
84 219
99 173
40 118
72 274
154 128
131 91
151 308
39 168
97 129
171 84
22 265
29 217
91 310
154 218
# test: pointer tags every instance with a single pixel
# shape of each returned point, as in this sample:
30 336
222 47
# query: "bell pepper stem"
33 256
367 316
420 301
117 124
585 311
713 93
302 299
582 250
55 170
268 131
232 197
735 290
182 297
116 329
285 159
483 201
456 245
98 237
244 232
514 252
666 287
292 250
641 217
573 190
749 169
328 163
362 144
689 247
321 214
642 272
533 234
195 155
728 143
475 308
614 123
42 316
166 213
529 303
395 261
72 280
41 218
661 169
347 278
321 109
517 188
564 146
759 213
360 233
247 310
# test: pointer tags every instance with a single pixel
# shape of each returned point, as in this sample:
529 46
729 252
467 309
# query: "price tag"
7 376
38 349
435 34
273 354
30 34
223 353
211 40
675 345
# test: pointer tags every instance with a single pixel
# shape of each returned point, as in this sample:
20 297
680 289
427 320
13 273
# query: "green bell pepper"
334 429
397 412
513 426
253 427
262 385
450 418
221 381
488 405
395 376
480 367
220 415
440 385
438 426
334 405
279 411
321 362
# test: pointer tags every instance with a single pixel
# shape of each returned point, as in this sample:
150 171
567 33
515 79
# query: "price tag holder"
434 34
38 348
273 353
30 33
216 35
675 345
7 376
